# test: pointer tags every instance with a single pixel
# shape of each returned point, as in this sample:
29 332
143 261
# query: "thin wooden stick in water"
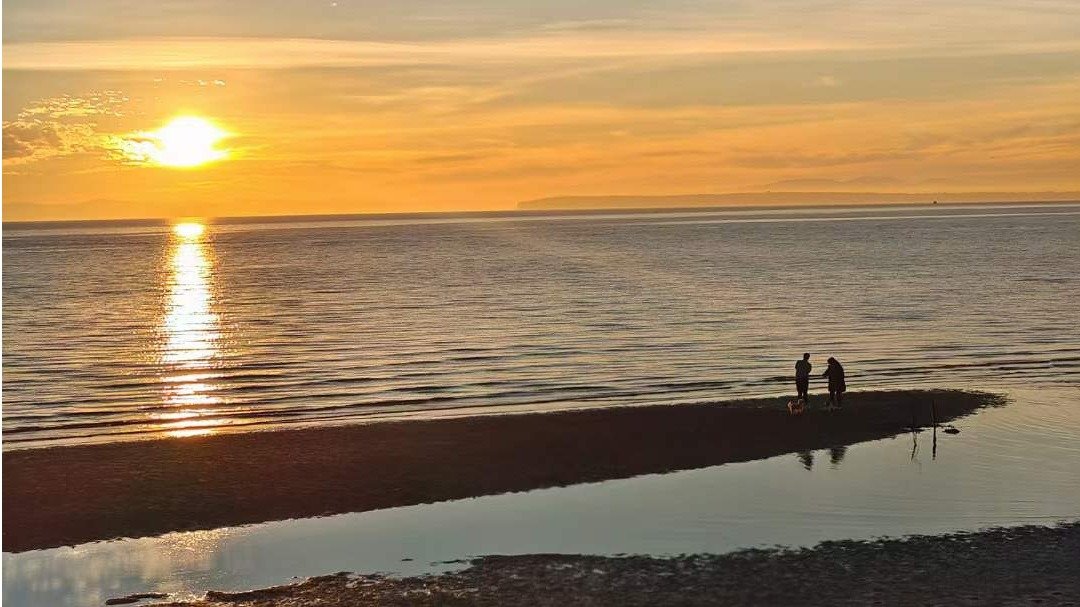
914 436
933 420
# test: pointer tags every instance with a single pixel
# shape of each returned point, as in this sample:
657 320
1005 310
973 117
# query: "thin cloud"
23 139
60 125
282 53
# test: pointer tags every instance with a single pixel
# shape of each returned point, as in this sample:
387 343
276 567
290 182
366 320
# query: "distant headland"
787 198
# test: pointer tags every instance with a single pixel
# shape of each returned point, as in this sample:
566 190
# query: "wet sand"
69 495
1017 566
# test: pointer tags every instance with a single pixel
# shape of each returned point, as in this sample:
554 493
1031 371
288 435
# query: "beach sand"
69 495
1016 566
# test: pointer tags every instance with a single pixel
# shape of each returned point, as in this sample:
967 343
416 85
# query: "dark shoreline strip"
69 495
1007 566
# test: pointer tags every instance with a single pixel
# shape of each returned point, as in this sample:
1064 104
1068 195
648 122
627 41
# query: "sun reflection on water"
191 331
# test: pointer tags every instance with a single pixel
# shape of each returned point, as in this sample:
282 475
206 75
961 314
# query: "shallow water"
119 331
1011 465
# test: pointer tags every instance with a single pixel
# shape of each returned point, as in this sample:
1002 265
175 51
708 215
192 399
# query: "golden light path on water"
191 332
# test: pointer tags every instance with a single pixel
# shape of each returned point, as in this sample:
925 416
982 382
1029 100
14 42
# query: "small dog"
796 407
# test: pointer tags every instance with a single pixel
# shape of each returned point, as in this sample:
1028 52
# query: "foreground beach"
1014 566
77 494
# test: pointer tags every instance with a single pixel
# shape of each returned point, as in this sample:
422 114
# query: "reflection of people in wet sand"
806 458
837 385
802 378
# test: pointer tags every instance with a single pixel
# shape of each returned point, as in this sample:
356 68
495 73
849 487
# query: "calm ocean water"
121 331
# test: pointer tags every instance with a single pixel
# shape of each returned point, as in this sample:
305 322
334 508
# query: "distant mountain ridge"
786 198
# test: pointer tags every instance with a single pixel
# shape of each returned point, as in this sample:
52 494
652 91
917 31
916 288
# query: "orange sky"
423 106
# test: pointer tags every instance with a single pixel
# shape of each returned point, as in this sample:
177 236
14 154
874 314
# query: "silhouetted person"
802 378
837 385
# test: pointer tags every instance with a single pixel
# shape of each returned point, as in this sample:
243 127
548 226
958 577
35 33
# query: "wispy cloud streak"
282 53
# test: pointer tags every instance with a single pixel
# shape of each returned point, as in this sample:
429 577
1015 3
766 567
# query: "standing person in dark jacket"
837 385
802 378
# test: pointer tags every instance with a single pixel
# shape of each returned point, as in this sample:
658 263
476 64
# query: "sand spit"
69 495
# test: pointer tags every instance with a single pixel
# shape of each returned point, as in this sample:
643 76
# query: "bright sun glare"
189 230
186 141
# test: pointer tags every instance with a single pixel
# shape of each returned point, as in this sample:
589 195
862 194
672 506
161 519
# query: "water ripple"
120 333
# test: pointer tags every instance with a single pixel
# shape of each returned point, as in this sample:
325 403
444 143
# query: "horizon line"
572 211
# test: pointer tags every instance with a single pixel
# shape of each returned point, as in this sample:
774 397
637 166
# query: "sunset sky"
425 105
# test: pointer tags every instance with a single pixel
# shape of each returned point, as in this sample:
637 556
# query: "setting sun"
184 142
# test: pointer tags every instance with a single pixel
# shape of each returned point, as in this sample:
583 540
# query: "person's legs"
839 398
832 398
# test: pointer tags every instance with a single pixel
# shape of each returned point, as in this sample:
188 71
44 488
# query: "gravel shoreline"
1005 566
